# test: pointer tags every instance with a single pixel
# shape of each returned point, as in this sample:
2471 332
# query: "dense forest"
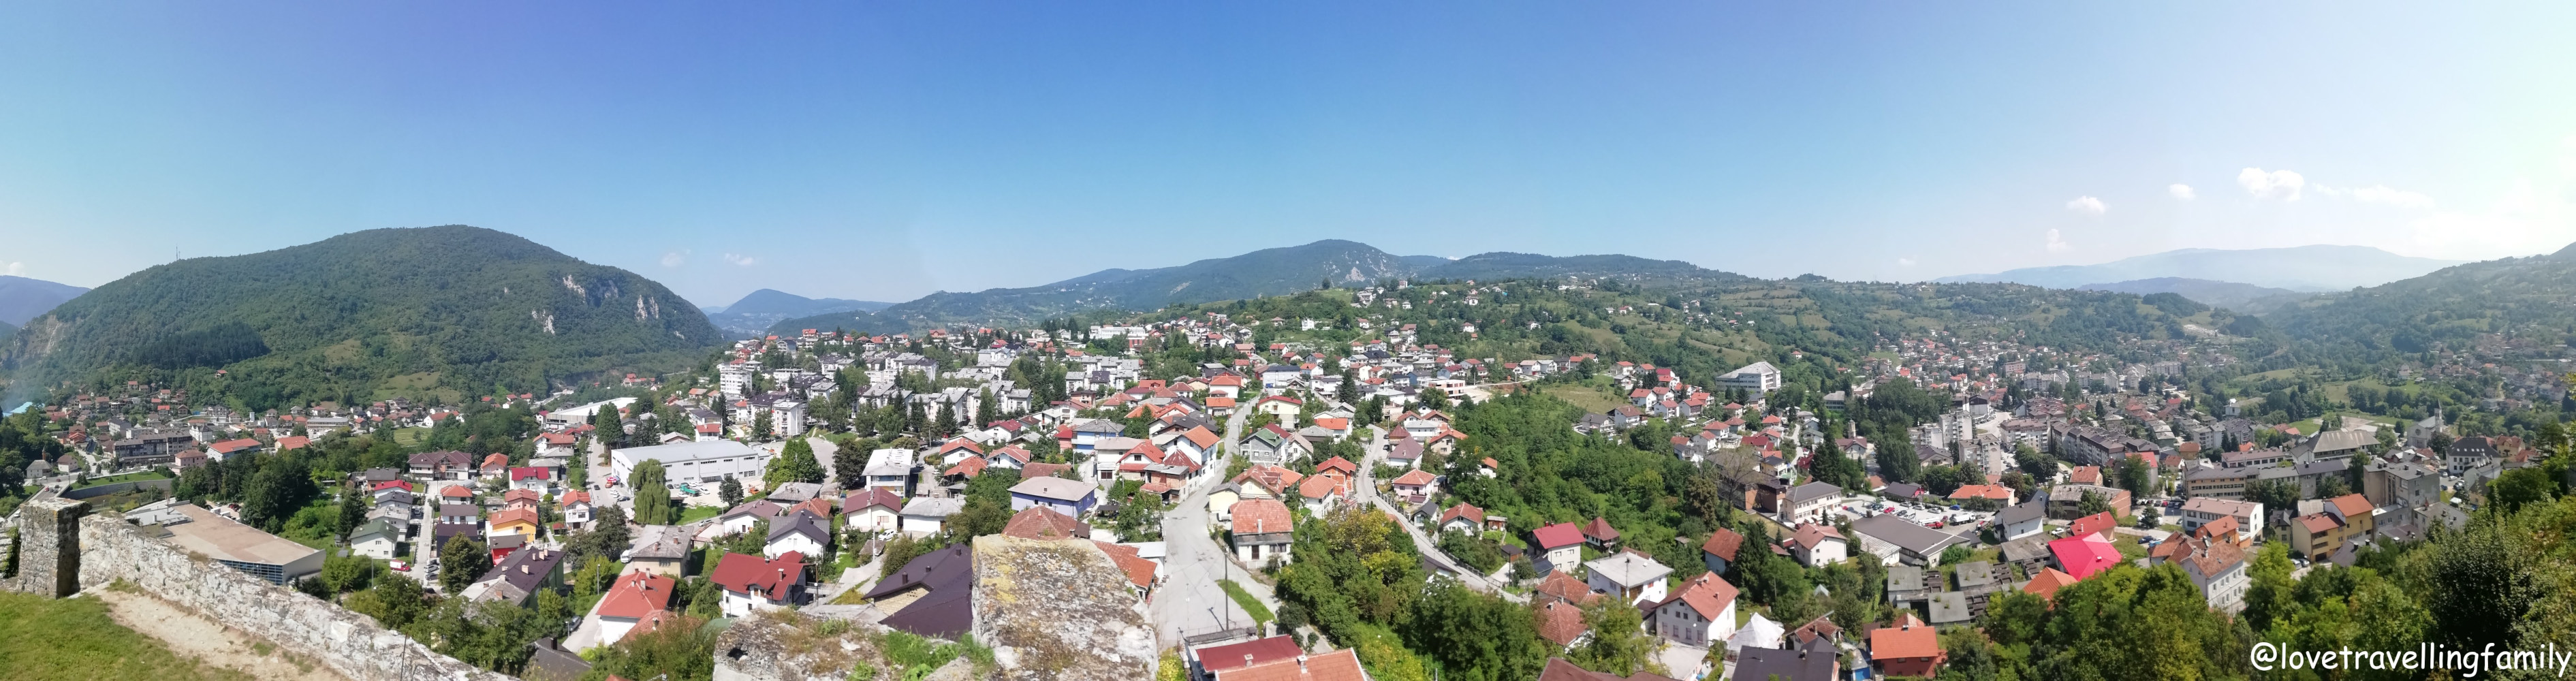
431 312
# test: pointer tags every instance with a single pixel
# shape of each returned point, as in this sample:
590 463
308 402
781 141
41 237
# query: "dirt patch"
189 634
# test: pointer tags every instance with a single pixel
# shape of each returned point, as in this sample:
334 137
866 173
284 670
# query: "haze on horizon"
881 152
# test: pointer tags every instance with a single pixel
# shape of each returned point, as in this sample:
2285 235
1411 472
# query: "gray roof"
795 492
660 542
2023 512
1975 574
935 507
1918 539
1902 577
1054 488
1629 569
694 450
799 523
1811 491
1949 607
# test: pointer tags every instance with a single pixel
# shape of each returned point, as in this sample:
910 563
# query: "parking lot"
1927 515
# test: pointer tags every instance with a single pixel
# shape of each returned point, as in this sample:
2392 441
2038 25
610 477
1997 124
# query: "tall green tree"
461 562
795 463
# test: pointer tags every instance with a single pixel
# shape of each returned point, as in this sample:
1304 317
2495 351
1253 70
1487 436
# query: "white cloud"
675 258
2380 193
2056 244
2087 205
17 269
2181 191
1907 261
2278 184
742 260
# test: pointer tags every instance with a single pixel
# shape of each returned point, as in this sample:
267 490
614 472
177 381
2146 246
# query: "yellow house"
520 521
2332 523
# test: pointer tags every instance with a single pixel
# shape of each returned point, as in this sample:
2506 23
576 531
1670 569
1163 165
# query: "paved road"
1430 549
1189 602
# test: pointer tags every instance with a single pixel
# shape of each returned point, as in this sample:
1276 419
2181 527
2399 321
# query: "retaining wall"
105 548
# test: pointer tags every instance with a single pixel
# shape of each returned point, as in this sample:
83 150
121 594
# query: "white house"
754 583
801 533
379 539
891 470
872 510
2199 511
928 515
1629 577
1069 497
1703 612
1560 547
2023 520
1818 545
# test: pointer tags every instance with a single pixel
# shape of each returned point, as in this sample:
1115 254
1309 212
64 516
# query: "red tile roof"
1234 656
1722 544
2091 524
1560 623
1600 530
1041 522
1557 536
1414 478
2047 582
637 594
745 573
1261 516
1339 665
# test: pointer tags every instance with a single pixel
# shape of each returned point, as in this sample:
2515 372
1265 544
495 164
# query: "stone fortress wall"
63 549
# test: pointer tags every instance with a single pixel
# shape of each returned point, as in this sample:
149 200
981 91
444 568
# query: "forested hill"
456 311
1267 272
2532 299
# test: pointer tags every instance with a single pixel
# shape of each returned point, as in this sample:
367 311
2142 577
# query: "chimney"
1247 659
1301 664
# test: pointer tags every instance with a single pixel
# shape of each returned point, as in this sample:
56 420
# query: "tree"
2092 503
1619 644
393 602
850 463
281 488
795 463
460 562
353 513
760 426
730 491
1474 636
1897 463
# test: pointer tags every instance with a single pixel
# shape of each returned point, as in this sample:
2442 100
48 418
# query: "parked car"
400 566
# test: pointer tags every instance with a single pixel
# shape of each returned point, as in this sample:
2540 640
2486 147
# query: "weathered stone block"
49 547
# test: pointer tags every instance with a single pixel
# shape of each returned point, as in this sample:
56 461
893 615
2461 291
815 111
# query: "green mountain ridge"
2531 297
1266 272
450 311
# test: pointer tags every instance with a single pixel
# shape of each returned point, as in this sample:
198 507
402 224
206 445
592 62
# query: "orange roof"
1199 435
1339 464
1722 544
514 516
2351 505
1563 586
1321 485
1415 478
1910 638
1041 522
1706 594
1261 516
2047 582
1140 572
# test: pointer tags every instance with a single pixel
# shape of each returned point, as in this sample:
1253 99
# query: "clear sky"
883 150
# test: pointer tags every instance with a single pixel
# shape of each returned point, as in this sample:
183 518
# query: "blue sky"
885 150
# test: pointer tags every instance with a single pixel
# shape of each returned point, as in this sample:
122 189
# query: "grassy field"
113 479
72 639
1251 606
409 437
697 513
1589 398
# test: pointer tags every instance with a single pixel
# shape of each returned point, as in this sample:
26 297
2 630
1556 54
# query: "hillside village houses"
1101 420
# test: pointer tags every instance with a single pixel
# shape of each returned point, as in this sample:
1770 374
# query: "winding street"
1189 602
1431 553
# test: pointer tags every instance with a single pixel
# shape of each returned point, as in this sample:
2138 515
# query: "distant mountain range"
2302 268
21 298
449 311
1266 272
2533 299
751 316
2246 298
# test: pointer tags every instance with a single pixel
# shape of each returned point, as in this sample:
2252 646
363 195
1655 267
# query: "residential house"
1559 547
378 538
891 470
798 533
519 576
752 582
1719 551
1630 576
1261 530
519 521
2083 555
2200 511
872 510
1818 545
634 597
659 549
2325 525
1703 611
2022 520
1910 648
1807 503
1896 540
928 515
1070 497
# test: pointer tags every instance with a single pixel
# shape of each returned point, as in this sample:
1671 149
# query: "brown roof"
2319 522
1261 516
1462 510
1560 623
1248 653
2351 505
1810 535
1563 586
1041 522
1707 594
746 573
1600 530
1339 665
1041 470
1722 544
1140 571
